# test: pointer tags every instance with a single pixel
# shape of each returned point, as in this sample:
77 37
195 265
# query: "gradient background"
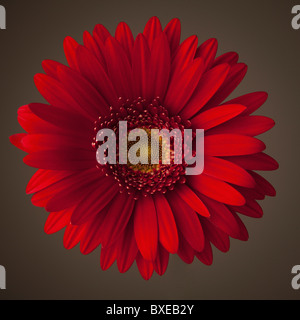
38 266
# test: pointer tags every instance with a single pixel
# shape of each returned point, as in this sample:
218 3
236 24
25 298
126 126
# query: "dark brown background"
38 267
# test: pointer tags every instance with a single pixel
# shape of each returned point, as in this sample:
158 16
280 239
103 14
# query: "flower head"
144 212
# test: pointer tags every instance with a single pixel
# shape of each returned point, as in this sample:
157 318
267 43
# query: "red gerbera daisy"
142 213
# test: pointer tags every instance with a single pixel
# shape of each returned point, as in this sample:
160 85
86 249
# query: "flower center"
143 179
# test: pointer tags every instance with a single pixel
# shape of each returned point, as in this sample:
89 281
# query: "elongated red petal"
152 30
227 171
183 85
103 193
173 32
217 237
229 57
117 218
91 45
252 101
192 200
184 55
232 145
91 237
185 252
140 65
125 37
119 68
72 236
258 161
70 46
159 68
206 88
187 222
145 267
215 116
263 185
145 227
221 217
216 189
128 249
167 230
89 99
108 256
234 78
45 178
161 261
50 67
207 51
206 255
71 159
248 126
57 221
93 71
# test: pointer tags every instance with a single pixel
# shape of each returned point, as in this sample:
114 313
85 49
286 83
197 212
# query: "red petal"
216 189
206 88
50 67
108 256
117 218
259 161
152 30
232 145
145 227
91 238
187 222
71 159
33 124
227 171
125 37
263 185
103 193
207 51
243 236
221 217
252 101
167 230
54 92
73 194
89 99
183 85
215 116
229 57
92 70
72 236
57 221
70 46
92 46
161 261
251 209
173 31
66 120
185 251
119 68
206 255
145 267
17 141
159 68
192 200
101 33
248 126
217 237
184 55
140 65
39 142
45 178
234 78
127 250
